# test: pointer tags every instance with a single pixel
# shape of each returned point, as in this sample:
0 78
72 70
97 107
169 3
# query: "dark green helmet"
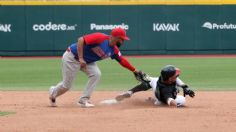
169 71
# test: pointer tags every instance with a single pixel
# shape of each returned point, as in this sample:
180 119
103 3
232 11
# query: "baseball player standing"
165 87
83 56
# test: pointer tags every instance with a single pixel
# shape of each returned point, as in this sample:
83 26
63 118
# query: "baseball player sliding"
83 56
165 87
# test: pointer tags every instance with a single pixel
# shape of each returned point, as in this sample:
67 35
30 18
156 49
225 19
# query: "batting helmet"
169 71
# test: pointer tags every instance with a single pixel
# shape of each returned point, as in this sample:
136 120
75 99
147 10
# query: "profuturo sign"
215 26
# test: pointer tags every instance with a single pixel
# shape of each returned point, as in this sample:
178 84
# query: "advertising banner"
153 29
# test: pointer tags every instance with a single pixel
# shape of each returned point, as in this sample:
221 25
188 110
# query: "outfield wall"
47 28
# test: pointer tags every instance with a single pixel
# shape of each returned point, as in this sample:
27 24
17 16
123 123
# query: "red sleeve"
124 62
95 38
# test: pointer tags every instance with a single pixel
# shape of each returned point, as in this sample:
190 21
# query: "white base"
109 101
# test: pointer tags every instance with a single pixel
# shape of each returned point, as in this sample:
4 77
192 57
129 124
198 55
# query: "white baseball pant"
70 67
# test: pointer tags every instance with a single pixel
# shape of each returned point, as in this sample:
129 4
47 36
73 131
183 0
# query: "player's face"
172 79
119 42
116 41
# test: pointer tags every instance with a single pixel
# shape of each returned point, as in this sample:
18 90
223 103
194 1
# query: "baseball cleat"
51 99
157 102
124 95
53 102
86 104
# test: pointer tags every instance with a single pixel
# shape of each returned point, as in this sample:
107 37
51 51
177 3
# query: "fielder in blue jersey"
83 56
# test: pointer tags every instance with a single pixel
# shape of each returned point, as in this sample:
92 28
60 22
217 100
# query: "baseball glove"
142 77
188 91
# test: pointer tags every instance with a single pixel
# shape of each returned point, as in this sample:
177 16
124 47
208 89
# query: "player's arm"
179 82
125 63
139 75
80 47
171 102
122 61
168 97
186 89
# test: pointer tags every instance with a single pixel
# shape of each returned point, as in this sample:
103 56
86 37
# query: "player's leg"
124 95
94 75
141 87
69 70
180 101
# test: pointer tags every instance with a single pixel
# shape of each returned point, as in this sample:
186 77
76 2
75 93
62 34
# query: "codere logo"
166 27
5 27
94 26
215 26
53 27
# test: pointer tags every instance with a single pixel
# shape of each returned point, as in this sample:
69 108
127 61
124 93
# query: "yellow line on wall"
118 2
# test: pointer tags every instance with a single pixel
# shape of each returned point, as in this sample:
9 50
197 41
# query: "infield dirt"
207 112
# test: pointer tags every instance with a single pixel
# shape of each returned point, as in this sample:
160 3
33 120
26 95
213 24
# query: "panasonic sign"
94 26
215 26
5 27
173 27
53 27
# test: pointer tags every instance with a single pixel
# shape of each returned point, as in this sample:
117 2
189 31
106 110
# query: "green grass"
4 113
40 74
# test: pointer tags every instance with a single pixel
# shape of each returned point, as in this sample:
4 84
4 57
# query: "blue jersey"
96 47
94 52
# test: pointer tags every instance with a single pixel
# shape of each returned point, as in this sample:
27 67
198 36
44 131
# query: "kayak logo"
53 27
215 26
94 26
166 27
5 27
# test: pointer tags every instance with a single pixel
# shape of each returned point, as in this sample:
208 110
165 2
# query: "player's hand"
82 63
189 92
141 76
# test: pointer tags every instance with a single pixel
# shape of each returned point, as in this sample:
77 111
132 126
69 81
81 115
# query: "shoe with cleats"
124 95
51 99
86 104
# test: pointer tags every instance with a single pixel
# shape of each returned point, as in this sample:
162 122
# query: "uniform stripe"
120 2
